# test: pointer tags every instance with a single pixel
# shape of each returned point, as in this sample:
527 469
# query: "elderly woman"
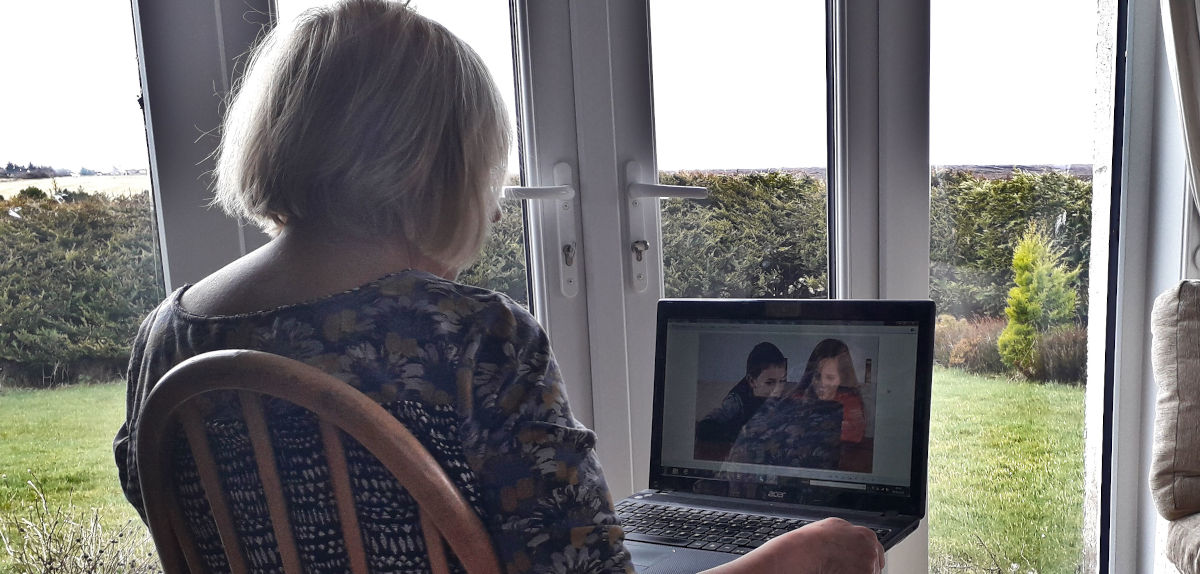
369 142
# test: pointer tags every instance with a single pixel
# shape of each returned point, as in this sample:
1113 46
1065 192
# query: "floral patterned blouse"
467 370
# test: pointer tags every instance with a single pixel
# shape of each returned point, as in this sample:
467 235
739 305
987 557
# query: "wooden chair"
444 515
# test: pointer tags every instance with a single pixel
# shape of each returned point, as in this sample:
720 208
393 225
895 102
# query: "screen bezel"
920 312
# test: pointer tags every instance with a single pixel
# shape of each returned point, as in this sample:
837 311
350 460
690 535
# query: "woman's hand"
831 546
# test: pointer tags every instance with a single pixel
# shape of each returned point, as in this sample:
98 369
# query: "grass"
1006 475
1006 467
64 436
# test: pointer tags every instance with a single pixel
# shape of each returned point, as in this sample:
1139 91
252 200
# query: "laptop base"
658 559
889 529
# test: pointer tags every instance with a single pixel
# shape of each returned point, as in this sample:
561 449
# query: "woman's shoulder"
409 304
426 284
412 288
490 310
426 305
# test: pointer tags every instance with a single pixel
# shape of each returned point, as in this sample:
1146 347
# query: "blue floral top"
467 370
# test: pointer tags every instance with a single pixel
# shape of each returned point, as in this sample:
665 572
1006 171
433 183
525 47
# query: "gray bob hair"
368 120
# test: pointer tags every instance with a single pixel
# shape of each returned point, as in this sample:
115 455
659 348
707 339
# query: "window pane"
79 268
1010 210
484 25
740 107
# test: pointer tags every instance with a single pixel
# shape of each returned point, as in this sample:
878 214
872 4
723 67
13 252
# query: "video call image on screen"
790 400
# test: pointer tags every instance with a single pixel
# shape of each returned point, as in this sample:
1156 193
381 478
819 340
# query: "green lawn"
1005 474
1006 467
64 436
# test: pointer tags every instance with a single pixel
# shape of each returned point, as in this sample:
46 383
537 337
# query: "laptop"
771 414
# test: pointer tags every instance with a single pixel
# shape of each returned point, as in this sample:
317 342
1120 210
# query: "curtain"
1181 32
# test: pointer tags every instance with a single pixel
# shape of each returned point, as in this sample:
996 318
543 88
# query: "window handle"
562 190
551 192
562 194
643 213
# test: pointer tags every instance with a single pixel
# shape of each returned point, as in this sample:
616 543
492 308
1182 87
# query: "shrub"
31 192
948 331
75 280
1043 297
1063 352
65 540
968 344
68 196
976 351
1018 349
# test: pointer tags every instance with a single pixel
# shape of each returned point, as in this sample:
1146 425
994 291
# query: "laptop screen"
810 402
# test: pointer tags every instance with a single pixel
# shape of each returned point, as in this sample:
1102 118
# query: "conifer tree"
1043 298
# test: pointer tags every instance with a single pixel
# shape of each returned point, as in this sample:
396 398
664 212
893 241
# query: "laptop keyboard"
704 529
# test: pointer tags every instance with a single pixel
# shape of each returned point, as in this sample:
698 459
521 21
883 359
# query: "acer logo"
776 494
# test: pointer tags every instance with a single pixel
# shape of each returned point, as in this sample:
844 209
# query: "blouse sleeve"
135 392
546 503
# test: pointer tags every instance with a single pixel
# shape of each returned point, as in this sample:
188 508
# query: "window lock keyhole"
568 252
639 247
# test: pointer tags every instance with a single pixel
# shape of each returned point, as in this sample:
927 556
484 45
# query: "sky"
1011 80
69 94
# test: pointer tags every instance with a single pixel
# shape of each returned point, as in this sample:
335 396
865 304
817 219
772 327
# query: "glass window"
1010 215
485 26
740 107
79 269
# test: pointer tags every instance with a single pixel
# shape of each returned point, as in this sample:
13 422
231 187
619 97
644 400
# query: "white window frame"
880 221
585 81
883 190
186 54
1157 236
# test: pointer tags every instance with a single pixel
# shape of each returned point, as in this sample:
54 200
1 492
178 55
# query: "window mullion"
182 115
543 46
601 98
588 95
634 137
854 149
879 220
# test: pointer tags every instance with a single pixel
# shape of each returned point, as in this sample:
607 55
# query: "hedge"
77 274
759 234
501 265
976 223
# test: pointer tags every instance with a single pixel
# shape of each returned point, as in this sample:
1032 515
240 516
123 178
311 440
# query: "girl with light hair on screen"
829 376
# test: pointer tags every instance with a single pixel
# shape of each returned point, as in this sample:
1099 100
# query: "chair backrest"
176 402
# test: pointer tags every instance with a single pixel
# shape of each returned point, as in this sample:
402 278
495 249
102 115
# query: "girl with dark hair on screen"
766 375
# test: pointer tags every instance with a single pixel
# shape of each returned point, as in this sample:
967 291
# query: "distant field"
106 184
